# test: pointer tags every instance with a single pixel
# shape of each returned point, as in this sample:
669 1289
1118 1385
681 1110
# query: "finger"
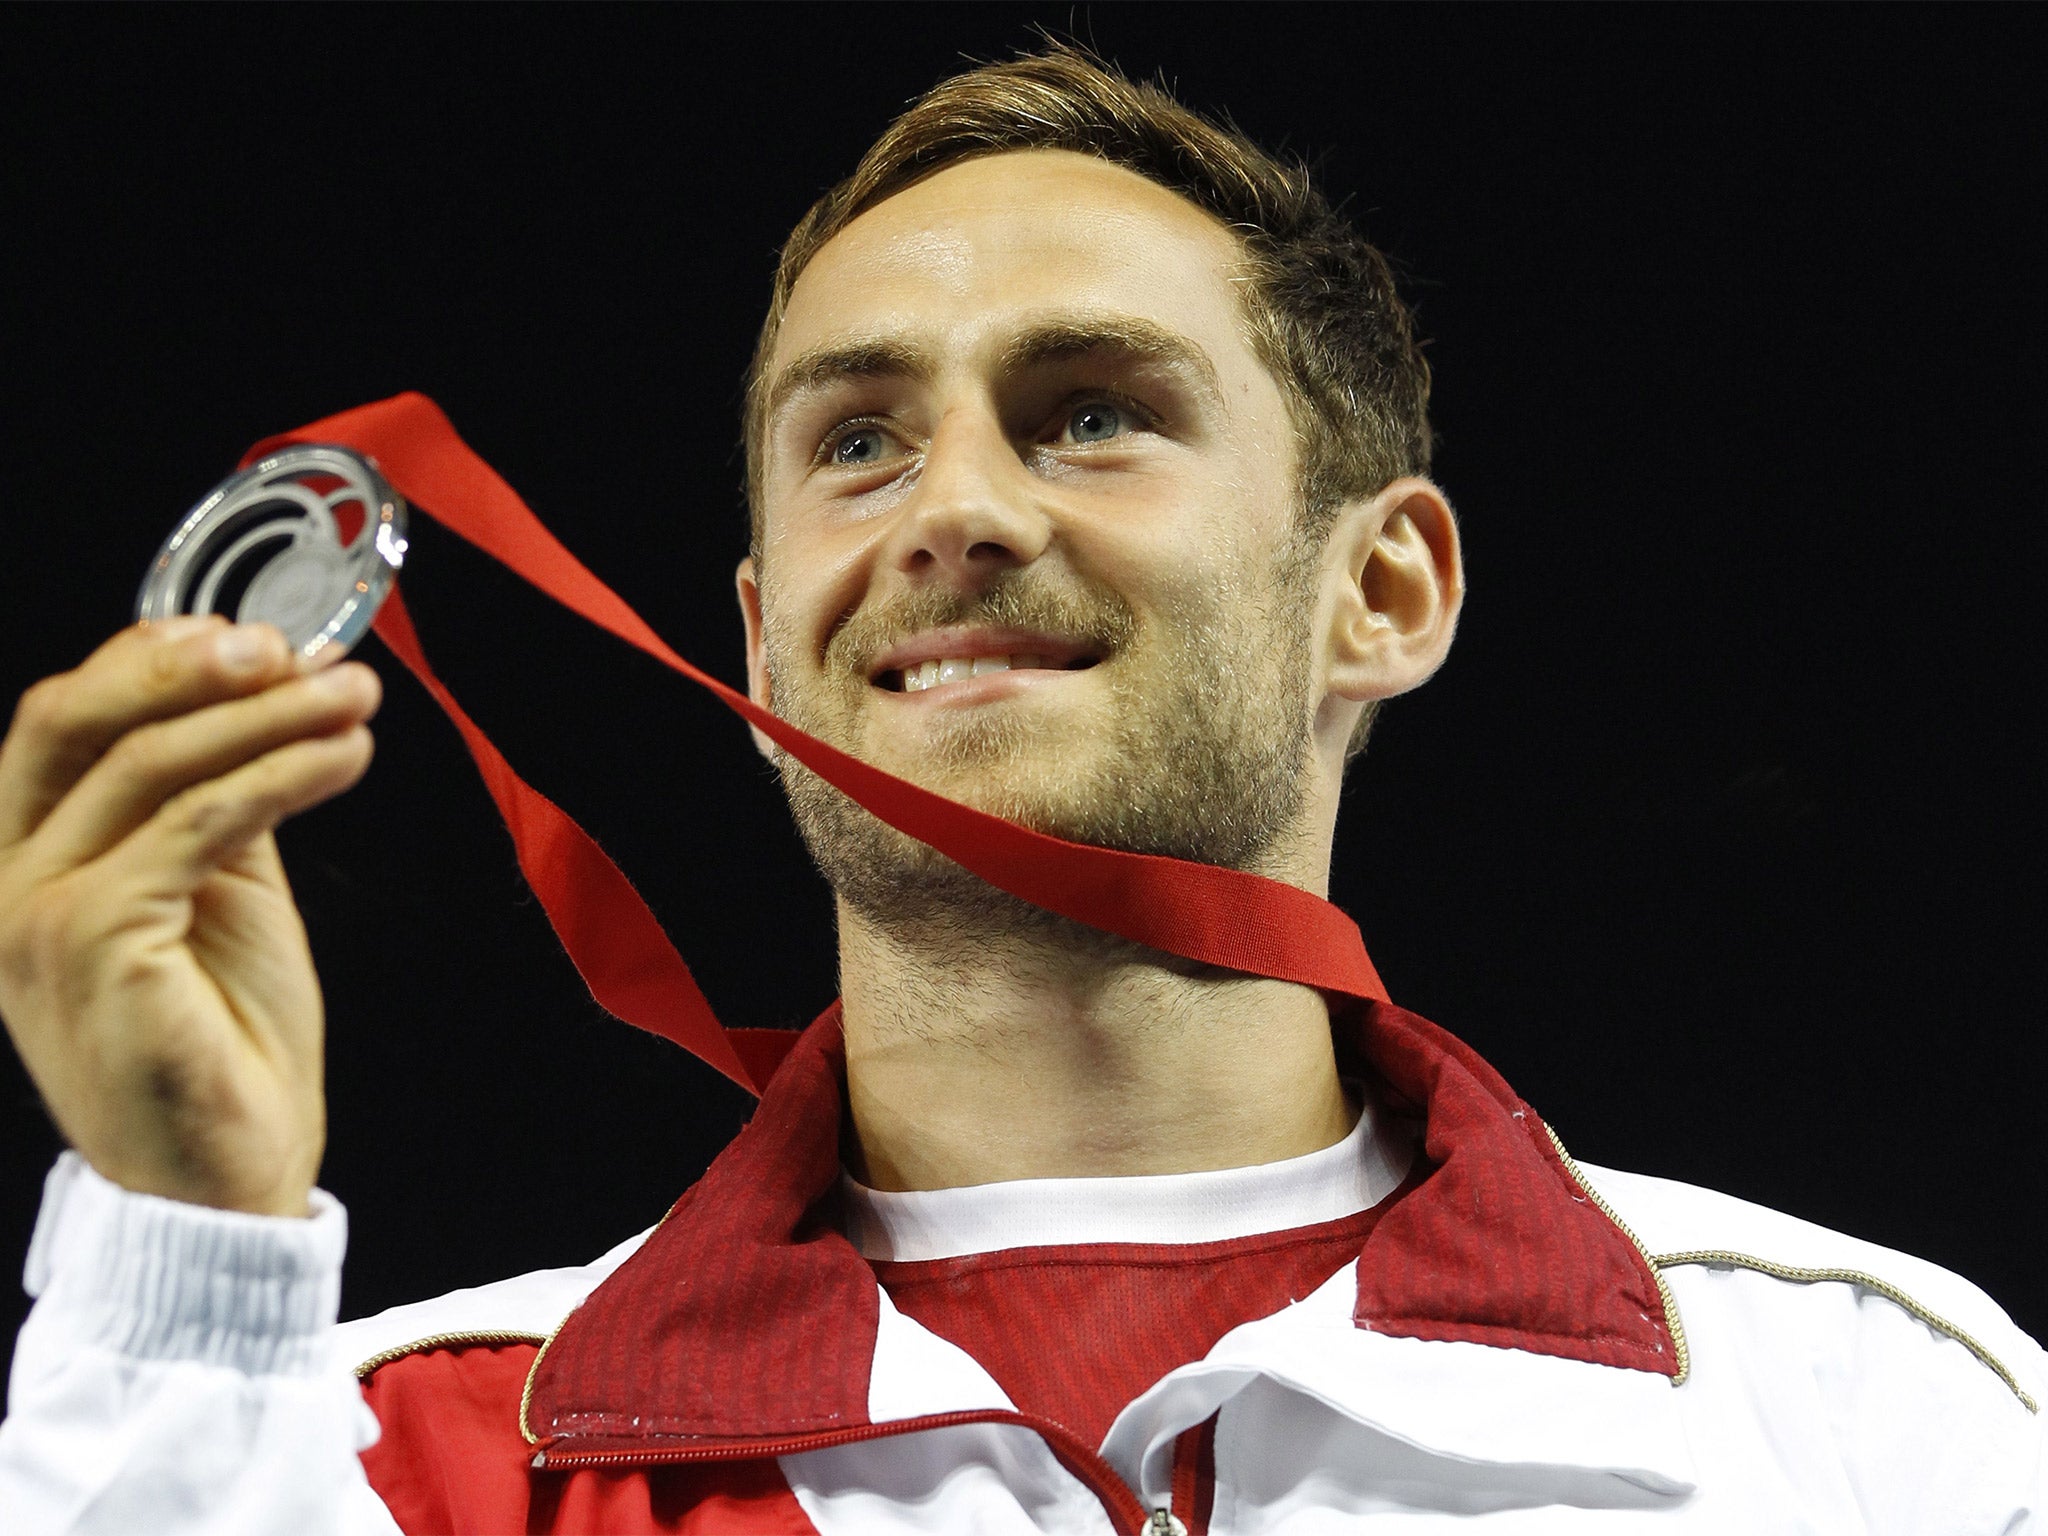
152 763
145 673
194 833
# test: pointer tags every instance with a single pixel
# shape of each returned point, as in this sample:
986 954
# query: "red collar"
746 1315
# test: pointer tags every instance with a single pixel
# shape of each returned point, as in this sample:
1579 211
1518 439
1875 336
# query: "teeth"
951 669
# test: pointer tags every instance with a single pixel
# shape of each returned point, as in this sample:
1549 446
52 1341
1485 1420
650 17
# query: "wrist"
152 1278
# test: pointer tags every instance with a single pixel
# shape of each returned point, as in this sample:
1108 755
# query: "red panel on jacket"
452 1459
1074 1333
747 1315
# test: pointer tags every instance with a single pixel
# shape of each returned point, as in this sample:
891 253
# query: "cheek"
1228 515
788 619
777 653
1193 568
812 580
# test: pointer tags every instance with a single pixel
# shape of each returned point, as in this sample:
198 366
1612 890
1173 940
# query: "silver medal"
309 539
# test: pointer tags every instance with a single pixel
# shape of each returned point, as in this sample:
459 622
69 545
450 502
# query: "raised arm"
174 1374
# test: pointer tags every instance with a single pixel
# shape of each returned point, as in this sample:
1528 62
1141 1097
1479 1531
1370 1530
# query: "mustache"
1070 608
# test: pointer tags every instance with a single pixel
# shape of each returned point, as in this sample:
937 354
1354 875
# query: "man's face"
1029 517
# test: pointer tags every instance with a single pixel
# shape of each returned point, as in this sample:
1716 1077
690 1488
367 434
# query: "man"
1087 456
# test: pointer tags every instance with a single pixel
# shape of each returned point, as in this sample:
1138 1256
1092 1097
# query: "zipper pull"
1165 1523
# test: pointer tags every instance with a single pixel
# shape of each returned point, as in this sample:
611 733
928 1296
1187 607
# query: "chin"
985 754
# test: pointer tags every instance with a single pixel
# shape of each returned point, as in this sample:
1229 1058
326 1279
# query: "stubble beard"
1206 755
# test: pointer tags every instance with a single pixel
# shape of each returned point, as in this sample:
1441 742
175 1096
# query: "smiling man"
1032 535
1087 453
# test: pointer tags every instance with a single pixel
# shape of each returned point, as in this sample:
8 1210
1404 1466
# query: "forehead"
959 259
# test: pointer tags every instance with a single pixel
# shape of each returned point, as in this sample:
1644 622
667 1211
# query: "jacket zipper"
1660 1262
1191 1487
1682 1353
1126 1511
1855 1277
464 1338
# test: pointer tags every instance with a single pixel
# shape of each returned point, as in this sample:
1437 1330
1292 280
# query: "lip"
964 640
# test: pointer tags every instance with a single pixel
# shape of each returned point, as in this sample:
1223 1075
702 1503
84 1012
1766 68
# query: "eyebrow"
1117 338
822 367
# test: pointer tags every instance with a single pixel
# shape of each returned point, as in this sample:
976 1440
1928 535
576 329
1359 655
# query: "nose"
975 510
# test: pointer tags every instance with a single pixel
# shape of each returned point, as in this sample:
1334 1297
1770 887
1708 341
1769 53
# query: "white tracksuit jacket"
181 1371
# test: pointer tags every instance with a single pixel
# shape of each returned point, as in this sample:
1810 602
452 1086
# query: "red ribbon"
1222 917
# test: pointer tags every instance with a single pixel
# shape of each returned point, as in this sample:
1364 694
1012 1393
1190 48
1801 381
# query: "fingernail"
244 648
343 680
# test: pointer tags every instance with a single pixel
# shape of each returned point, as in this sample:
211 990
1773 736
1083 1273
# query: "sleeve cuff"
157 1279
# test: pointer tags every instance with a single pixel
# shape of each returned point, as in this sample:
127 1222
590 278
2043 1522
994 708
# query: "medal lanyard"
1201 912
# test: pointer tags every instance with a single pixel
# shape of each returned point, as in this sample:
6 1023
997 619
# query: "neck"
1041 1049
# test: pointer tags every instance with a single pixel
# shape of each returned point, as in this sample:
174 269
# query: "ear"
757 656
1394 582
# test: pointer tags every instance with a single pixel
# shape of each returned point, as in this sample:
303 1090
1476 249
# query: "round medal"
309 539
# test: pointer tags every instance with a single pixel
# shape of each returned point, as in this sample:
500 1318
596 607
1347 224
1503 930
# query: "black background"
1718 835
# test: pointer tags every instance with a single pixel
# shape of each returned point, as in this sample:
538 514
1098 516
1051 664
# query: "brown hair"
1319 300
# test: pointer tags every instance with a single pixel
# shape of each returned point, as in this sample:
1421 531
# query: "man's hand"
154 973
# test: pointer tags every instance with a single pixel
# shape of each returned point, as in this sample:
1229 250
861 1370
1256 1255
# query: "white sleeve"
176 1373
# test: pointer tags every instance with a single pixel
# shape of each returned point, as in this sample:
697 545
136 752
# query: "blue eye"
1095 422
863 445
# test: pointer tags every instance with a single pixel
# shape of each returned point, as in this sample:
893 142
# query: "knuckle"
43 711
166 670
212 814
142 755
200 810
